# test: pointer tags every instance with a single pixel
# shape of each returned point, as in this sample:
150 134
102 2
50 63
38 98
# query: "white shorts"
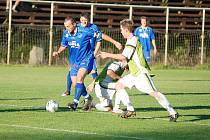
104 92
143 82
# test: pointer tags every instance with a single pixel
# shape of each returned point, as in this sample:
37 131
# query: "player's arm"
119 57
64 43
109 39
113 75
97 47
154 46
153 42
60 50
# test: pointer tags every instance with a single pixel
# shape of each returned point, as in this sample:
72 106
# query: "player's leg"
105 97
94 70
147 55
145 84
68 84
123 95
121 84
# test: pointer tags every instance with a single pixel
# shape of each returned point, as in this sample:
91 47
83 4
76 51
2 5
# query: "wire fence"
183 46
188 46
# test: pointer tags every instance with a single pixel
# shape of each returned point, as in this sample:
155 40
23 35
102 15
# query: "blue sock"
79 90
94 75
69 82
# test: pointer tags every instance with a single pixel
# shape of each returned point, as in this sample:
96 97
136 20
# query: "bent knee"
119 86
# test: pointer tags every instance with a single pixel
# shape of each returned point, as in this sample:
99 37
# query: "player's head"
84 19
70 24
126 27
143 21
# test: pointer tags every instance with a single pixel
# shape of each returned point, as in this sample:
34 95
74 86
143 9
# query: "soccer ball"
52 106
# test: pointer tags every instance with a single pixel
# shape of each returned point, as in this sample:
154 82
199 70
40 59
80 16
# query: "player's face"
84 21
144 22
123 32
69 26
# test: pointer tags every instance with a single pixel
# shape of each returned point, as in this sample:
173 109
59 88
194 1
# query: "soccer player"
146 36
104 89
84 26
138 67
80 59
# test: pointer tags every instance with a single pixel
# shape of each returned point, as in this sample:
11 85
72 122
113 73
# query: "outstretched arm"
97 47
109 39
119 57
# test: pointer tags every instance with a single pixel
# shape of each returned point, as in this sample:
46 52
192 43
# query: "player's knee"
119 86
154 94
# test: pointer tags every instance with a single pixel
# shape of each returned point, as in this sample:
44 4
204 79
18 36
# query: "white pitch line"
71 131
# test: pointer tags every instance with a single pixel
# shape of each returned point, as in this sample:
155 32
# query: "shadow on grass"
186 93
39 109
178 108
196 116
23 99
23 109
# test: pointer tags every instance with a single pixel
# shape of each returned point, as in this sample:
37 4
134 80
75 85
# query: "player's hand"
90 87
55 54
103 55
118 45
155 51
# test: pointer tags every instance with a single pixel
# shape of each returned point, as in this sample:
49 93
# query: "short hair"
69 18
85 15
143 17
127 24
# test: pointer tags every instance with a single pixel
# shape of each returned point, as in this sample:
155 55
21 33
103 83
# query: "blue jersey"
78 44
97 33
145 35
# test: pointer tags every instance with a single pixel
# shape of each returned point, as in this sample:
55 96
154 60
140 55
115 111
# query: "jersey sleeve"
98 34
130 48
136 31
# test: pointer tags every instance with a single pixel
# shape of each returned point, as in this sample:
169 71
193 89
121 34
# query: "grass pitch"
24 91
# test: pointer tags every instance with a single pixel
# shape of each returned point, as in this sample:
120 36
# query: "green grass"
24 91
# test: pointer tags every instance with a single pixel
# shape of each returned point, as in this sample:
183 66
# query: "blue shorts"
86 63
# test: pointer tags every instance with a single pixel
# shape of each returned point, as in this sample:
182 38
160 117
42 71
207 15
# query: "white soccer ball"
52 106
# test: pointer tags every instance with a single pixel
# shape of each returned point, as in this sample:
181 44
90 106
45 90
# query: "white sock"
162 100
117 101
123 95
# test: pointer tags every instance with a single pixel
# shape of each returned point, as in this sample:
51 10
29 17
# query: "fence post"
51 34
166 37
9 32
202 36
91 13
131 12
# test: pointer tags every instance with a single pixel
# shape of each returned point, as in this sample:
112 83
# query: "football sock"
162 100
117 101
125 99
69 82
79 90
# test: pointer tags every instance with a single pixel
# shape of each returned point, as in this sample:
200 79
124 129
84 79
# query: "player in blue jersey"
146 35
84 26
80 59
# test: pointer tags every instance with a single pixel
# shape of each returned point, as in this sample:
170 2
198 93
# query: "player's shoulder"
149 28
65 33
132 42
138 28
94 26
